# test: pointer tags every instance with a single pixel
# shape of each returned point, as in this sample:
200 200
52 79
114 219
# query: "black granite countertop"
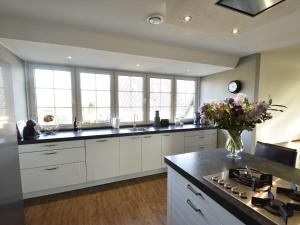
109 132
193 166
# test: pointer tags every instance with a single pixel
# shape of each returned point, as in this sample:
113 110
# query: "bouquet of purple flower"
236 115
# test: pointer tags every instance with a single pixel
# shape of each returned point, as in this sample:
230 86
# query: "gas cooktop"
272 197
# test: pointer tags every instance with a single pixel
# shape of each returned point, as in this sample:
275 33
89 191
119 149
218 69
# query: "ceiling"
57 54
209 29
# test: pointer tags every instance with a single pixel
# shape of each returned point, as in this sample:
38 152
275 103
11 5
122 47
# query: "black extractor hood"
249 7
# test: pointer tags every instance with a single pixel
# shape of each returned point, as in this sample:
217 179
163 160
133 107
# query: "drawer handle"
166 135
52 145
53 168
190 203
135 138
101 141
194 191
50 153
201 137
147 136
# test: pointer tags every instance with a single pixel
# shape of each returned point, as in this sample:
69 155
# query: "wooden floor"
136 202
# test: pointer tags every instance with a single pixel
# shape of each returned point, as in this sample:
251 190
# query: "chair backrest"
276 153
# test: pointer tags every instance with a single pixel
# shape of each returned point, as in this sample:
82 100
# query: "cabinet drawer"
200 132
51 157
199 148
53 176
51 146
194 213
200 140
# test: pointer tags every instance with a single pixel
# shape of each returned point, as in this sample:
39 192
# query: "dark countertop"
193 166
109 132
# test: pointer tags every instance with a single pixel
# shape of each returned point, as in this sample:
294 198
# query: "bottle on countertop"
75 124
156 119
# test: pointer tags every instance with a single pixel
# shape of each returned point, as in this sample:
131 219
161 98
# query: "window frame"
114 74
172 119
131 74
78 95
32 101
188 78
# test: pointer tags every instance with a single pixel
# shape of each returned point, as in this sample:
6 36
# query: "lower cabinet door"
44 178
172 144
151 152
102 158
130 155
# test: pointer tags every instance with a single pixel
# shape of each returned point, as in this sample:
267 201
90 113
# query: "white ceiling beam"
58 33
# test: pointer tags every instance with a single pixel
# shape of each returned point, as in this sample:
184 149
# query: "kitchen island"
194 200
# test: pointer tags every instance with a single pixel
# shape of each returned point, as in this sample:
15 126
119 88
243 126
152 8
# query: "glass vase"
234 144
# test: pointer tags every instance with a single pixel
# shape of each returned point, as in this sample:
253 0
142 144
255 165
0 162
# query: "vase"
234 144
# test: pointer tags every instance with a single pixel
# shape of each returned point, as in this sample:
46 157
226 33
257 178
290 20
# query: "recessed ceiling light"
188 70
138 65
69 57
235 31
187 19
155 19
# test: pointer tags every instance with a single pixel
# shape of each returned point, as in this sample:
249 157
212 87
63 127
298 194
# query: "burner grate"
251 178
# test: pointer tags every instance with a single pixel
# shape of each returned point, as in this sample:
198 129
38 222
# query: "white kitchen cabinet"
151 152
189 204
200 140
172 144
130 155
102 158
43 178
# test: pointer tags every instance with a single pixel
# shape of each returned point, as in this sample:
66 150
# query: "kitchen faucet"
134 123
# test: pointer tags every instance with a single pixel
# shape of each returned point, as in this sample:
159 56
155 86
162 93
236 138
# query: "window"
131 98
95 90
160 98
185 98
53 94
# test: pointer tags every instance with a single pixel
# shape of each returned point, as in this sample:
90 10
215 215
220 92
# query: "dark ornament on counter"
75 124
164 123
29 131
156 119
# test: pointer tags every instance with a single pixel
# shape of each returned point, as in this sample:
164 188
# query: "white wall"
18 81
280 78
214 88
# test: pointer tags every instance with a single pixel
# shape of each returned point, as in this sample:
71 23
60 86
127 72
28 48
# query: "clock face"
234 86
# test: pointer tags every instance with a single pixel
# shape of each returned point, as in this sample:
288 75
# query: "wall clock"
234 86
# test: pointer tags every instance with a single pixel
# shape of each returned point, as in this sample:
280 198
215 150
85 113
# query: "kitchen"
108 100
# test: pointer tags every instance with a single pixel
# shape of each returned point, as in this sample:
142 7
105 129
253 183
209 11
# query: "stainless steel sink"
137 129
